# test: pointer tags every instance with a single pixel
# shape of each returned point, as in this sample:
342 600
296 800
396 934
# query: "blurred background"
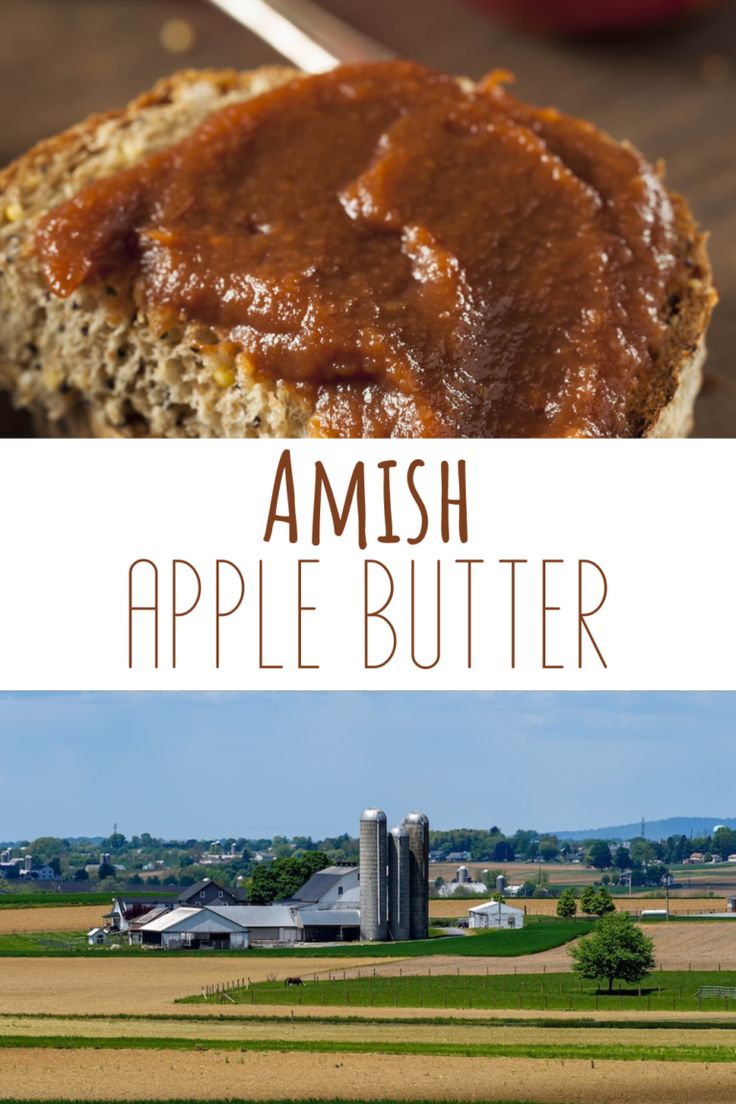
659 72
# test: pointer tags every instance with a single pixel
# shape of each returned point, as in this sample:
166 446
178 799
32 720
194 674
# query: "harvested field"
704 946
64 918
130 1074
462 1034
449 906
139 985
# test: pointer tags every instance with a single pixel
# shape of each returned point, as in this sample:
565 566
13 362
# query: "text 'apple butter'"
417 257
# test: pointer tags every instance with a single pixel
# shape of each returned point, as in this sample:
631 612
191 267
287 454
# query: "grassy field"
49 899
564 1051
662 991
534 937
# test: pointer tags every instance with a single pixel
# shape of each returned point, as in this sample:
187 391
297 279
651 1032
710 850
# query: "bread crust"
93 366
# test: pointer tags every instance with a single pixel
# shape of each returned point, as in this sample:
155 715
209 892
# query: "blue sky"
208 765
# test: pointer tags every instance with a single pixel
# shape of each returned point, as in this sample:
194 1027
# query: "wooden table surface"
673 93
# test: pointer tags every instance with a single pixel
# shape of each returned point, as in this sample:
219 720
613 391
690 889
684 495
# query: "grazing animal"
293 981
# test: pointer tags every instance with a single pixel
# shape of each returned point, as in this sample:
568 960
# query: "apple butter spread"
415 256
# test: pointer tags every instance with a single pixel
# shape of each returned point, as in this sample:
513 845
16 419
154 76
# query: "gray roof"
331 918
195 920
315 888
194 890
259 916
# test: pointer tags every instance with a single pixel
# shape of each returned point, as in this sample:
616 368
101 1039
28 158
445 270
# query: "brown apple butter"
418 257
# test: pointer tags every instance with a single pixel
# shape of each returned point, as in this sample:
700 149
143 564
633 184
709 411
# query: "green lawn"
535 936
49 899
662 991
127 1020
601 1051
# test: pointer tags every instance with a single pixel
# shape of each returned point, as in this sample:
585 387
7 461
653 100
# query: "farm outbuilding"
194 928
495 914
331 925
264 923
97 937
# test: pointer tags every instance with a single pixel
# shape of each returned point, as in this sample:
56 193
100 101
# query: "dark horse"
293 981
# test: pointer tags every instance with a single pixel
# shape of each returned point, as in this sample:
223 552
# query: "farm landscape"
482 1015
377 964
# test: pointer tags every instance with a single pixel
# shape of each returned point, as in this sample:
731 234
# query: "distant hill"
654 829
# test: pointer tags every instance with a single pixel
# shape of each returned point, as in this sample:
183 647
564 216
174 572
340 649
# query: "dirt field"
132 985
448 906
101 1075
59 919
559 873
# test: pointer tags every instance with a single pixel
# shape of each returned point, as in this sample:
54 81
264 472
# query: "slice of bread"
94 365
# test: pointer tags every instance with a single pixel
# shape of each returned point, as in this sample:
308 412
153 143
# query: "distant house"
732 858
495 914
39 874
457 856
696 857
208 892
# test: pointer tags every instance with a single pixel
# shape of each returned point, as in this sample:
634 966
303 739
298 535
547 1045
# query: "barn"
264 923
194 928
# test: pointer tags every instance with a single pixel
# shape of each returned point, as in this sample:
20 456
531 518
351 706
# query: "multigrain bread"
94 364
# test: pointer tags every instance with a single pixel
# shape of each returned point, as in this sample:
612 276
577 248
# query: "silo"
373 876
417 826
500 883
399 896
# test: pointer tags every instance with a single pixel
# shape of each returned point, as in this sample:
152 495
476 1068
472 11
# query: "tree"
45 847
588 900
503 852
105 870
567 906
621 859
282 878
81 875
724 841
548 848
617 949
603 902
599 855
